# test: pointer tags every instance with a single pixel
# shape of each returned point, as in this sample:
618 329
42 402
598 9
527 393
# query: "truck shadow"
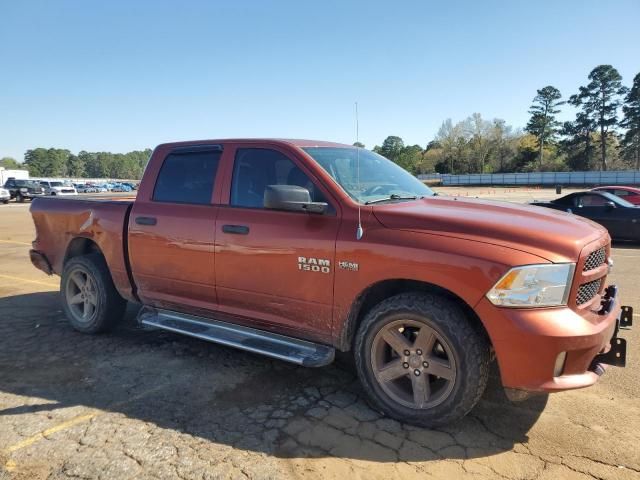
223 395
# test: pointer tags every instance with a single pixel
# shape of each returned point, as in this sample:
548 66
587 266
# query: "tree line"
605 134
599 138
57 162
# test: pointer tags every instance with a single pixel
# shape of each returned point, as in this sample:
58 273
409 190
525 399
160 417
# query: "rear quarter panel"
59 221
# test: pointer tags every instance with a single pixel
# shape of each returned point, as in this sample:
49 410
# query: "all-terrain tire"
466 341
109 305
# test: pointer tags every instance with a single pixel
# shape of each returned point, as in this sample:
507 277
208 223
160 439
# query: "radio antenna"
359 231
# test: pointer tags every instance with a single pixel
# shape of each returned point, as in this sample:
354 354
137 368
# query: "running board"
289 349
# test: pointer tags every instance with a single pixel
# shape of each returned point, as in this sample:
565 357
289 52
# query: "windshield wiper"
393 196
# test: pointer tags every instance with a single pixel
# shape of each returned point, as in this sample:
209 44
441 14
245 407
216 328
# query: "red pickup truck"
295 248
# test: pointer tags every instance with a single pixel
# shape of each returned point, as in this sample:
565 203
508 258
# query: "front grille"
595 259
588 290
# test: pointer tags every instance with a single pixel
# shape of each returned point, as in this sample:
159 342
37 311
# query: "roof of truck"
290 141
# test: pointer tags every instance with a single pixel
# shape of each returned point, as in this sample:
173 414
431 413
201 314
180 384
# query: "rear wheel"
5 201
421 360
89 298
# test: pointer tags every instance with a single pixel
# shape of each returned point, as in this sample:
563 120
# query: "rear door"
275 267
171 231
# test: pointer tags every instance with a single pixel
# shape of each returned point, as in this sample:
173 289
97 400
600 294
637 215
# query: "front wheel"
89 298
5 201
421 360
19 198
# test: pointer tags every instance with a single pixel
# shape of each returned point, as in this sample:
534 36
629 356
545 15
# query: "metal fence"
540 178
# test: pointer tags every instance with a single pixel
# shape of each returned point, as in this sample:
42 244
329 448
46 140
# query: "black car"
22 190
620 217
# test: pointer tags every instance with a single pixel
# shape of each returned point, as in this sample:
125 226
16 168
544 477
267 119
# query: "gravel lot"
149 404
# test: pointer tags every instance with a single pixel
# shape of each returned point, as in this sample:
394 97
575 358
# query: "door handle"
146 220
236 229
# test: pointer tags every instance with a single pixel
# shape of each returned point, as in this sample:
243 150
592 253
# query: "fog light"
559 366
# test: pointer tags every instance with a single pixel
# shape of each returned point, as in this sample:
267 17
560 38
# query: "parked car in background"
132 186
620 217
101 188
85 188
58 188
5 196
23 190
630 194
119 187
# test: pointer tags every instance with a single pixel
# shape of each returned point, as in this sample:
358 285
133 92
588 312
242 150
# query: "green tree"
578 144
600 101
75 167
10 163
50 162
410 158
543 124
631 121
391 148
358 144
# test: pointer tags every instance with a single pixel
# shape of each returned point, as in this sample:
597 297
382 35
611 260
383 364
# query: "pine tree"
631 121
600 101
543 124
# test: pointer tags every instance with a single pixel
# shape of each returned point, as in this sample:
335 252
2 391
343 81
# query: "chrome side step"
289 349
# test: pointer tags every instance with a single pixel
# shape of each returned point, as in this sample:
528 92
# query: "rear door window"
187 177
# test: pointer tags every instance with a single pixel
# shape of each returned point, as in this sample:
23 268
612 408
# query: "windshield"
27 183
380 179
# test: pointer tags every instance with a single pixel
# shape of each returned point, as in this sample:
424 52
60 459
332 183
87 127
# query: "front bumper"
30 194
528 343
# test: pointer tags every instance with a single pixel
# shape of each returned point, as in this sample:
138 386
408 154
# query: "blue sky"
123 75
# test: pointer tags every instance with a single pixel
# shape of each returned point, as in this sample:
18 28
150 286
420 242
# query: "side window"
255 168
187 177
593 201
620 193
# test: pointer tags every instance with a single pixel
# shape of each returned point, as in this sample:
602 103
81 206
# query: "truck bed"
64 225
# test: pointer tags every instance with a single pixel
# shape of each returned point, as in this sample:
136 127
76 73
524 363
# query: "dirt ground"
148 404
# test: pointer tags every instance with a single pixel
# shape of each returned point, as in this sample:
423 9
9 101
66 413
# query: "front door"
171 232
275 267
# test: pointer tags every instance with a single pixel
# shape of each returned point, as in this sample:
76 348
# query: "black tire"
19 198
454 340
109 306
5 201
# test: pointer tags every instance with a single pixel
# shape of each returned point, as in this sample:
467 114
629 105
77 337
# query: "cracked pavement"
140 403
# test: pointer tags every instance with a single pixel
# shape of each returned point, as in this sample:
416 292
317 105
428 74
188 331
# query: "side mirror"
291 198
610 204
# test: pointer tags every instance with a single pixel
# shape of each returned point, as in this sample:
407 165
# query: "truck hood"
553 235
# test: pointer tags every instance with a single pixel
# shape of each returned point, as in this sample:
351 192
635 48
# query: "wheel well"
81 246
380 291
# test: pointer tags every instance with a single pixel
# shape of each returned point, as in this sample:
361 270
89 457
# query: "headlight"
24 189
545 285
